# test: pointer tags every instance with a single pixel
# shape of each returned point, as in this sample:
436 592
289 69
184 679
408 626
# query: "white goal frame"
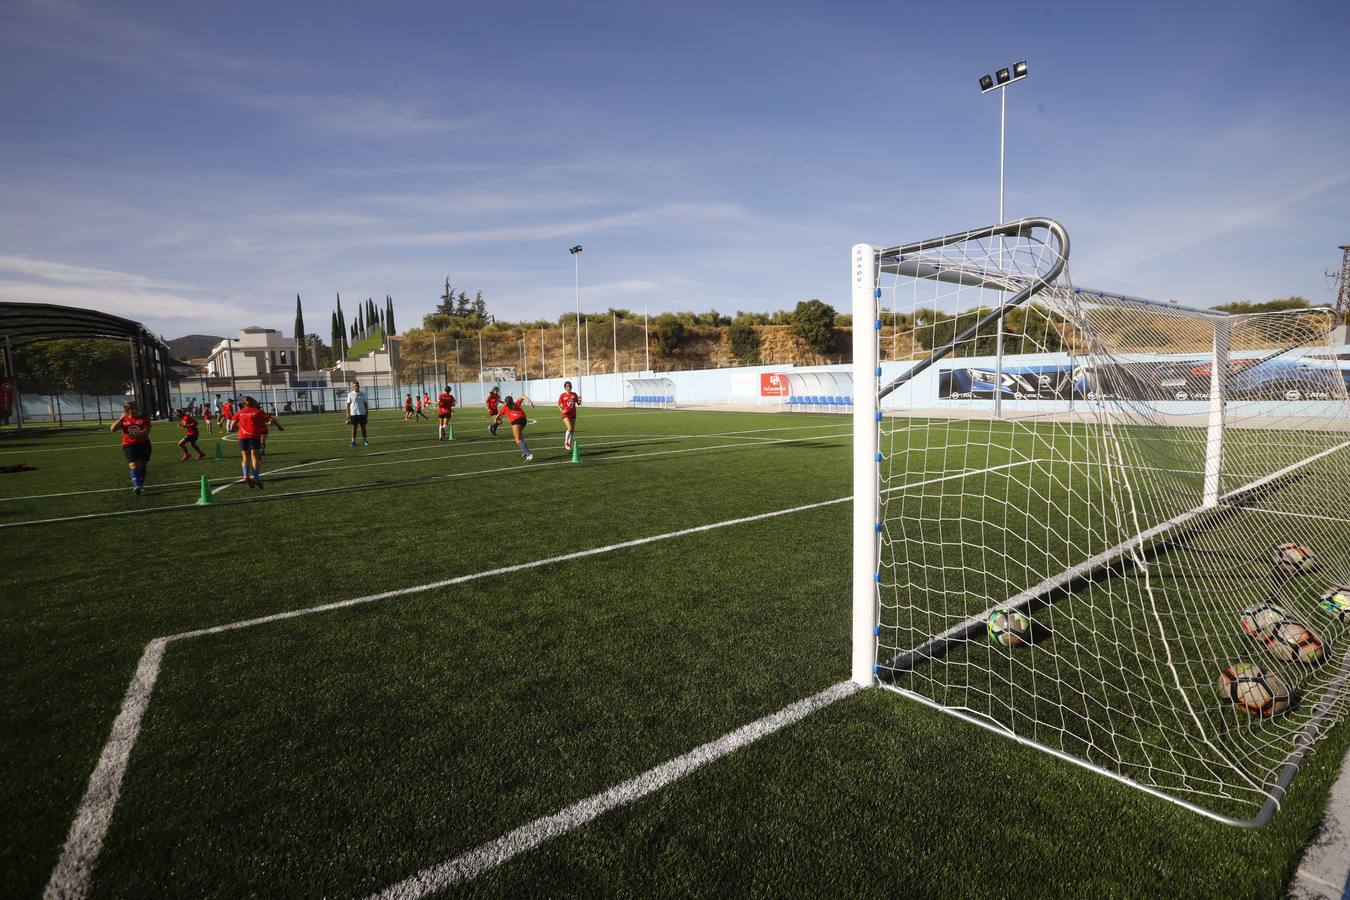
868 263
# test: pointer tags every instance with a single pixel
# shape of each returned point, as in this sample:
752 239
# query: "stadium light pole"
576 257
1000 80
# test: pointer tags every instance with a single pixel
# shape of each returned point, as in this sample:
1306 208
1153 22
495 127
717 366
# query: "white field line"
74 870
621 439
312 462
518 467
487 856
280 446
1284 512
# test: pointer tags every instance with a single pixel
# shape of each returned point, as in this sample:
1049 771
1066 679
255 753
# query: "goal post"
866 462
1142 566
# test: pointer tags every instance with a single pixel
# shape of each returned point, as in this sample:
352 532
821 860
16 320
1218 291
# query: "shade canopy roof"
24 323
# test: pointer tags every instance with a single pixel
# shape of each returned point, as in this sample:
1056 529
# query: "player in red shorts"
135 430
567 404
494 402
189 426
515 415
251 424
227 415
445 408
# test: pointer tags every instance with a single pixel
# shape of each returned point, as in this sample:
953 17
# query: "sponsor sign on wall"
772 384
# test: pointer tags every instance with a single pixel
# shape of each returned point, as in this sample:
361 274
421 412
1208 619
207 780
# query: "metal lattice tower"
1342 284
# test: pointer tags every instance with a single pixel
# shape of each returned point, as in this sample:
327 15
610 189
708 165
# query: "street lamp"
1000 80
576 256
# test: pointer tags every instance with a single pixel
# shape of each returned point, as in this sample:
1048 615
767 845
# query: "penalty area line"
73 875
492 854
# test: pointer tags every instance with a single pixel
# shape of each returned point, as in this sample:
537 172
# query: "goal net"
1122 539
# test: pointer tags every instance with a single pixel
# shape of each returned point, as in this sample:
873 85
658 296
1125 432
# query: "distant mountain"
193 346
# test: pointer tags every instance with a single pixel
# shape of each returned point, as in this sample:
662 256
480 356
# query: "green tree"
813 322
670 332
744 342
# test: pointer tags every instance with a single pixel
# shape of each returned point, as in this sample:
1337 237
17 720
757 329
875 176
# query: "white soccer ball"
1292 558
1296 642
1257 619
1254 690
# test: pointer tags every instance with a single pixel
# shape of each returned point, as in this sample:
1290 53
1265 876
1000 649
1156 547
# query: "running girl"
135 430
251 424
494 401
568 403
511 409
445 408
227 415
407 407
189 426
420 414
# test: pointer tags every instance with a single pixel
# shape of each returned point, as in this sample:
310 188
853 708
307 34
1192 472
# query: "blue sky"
196 165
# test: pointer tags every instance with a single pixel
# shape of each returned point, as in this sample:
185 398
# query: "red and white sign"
771 384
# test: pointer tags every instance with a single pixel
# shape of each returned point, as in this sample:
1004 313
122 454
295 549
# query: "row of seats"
820 400
652 398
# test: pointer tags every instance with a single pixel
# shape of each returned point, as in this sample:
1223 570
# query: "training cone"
206 498
219 454
452 432
576 452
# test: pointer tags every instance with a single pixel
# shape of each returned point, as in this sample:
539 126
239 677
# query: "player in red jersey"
189 438
206 417
511 410
407 407
445 408
252 423
420 414
135 430
227 415
567 404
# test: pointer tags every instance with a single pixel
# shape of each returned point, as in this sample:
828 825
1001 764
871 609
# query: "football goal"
1122 539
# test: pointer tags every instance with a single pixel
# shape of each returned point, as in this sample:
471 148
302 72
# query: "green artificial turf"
334 754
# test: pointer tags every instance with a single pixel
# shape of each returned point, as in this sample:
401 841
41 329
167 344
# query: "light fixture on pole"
1000 80
576 255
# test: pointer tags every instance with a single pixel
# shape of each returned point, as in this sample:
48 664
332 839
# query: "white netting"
1128 503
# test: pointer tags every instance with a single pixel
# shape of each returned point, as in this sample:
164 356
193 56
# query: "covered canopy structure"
657 393
820 391
25 323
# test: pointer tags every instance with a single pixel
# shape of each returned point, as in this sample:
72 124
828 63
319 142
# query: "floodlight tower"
1000 80
1341 283
576 255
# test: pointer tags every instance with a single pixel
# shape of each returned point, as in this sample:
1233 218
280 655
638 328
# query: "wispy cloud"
27 280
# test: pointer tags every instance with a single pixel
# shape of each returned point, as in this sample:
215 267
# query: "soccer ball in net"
1254 690
1336 603
1257 619
1292 558
1295 642
1009 627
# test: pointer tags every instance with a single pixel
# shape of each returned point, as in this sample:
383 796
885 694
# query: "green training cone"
452 432
206 498
219 455
576 452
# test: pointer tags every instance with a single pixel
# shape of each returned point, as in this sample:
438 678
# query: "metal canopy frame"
26 323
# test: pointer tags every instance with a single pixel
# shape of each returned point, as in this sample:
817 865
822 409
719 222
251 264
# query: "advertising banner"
772 384
1169 379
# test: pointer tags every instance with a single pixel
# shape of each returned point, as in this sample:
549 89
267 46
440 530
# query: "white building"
255 354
